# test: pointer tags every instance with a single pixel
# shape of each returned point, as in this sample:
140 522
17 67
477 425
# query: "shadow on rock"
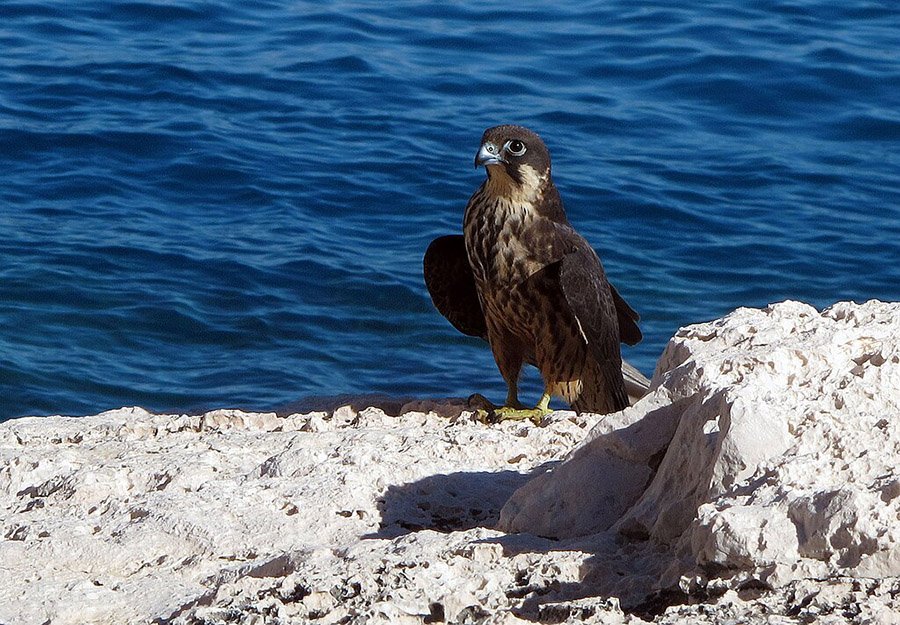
615 571
447 502
599 482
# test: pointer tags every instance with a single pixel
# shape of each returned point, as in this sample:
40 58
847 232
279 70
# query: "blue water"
208 204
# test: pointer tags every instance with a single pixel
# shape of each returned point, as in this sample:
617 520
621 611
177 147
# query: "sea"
210 204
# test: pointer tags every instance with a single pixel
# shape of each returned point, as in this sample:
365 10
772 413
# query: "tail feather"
636 383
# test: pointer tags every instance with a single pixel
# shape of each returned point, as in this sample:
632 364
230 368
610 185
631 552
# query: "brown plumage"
523 279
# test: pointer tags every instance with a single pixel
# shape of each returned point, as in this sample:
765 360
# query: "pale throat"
518 195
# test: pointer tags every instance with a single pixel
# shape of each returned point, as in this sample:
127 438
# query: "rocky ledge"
758 481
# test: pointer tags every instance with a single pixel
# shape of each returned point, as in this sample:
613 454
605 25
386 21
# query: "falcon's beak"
489 154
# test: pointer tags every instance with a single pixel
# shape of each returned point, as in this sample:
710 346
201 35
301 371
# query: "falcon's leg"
509 354
512 395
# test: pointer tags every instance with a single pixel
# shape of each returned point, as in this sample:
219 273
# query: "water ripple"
207 204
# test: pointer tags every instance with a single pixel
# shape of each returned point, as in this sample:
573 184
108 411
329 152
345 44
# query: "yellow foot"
506 413
488 413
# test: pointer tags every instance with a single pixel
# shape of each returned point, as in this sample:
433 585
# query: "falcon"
523 279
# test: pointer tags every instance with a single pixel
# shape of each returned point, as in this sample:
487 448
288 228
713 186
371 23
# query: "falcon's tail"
636 383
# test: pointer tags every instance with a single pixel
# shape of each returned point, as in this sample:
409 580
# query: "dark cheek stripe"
513 172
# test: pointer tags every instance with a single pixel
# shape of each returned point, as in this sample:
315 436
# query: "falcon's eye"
516 147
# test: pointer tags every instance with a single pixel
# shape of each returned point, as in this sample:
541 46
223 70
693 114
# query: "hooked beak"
488 154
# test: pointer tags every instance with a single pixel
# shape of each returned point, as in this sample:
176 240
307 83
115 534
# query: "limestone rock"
779 431
129 516
757 482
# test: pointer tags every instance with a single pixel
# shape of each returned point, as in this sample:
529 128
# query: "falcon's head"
516 160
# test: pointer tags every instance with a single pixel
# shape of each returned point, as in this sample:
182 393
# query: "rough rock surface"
757 482
777 438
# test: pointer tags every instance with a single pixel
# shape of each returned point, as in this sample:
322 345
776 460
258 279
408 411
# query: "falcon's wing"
558 241
591 301
629 332
451 284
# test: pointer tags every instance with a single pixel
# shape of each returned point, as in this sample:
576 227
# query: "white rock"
781 434
612 469
129 516
765 456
